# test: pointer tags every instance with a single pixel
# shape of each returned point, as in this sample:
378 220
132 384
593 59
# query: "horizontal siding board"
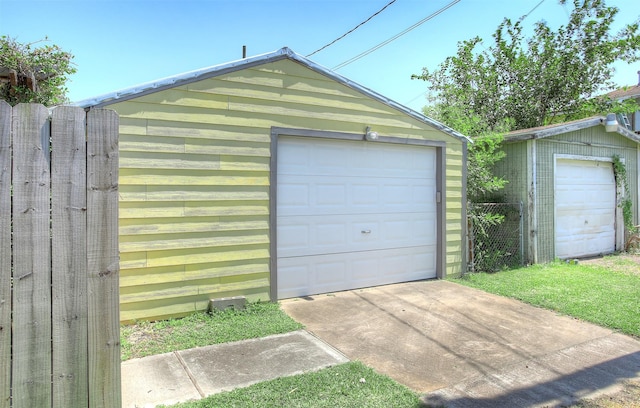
193 193
184 243
191 209
215 131
264 93
141 226
133 260
207 255
197 272
191 148
246 208
240 163
180 96
137 143
313 111
284 77
227 147
181 177
157 309
194 288
155 160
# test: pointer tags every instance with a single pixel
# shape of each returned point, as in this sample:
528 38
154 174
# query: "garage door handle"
366 231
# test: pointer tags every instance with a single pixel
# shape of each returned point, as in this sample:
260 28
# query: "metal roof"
542 132
217 70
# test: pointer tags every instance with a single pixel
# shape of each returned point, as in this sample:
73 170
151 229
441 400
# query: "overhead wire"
531 11
521 19
353 29
395 37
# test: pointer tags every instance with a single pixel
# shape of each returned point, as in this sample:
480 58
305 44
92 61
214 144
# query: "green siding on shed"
516 167
194 180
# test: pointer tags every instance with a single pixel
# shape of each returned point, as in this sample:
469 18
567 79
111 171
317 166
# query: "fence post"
31 339
69 257
103 259
5 254
521 228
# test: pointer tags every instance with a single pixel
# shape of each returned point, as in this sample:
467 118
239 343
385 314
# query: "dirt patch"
628 397
625 263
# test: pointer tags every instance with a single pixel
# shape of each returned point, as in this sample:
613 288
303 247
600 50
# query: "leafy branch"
624 203
33 74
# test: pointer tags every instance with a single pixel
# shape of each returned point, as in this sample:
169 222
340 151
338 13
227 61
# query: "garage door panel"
345 233
363 159
325 273
585 208
365 195
353 196
329 271
294 237
295 197
331 196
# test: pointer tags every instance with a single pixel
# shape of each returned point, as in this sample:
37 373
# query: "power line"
532 10
395 37
353 29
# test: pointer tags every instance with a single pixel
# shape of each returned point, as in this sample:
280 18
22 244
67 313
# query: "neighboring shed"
563 174
260 178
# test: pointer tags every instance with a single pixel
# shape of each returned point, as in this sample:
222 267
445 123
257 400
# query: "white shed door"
353 214
585 206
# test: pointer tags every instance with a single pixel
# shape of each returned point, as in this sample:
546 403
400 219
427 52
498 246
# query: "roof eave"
181 79
561 129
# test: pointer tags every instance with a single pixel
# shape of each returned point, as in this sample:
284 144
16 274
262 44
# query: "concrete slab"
465 347
233 365
154 380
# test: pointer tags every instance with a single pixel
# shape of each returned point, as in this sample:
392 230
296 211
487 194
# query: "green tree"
521 82
33 74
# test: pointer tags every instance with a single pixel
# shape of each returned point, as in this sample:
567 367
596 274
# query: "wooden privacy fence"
59 323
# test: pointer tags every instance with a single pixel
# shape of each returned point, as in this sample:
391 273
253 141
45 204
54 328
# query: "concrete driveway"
462 347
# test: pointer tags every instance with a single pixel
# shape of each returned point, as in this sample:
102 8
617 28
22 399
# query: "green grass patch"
592 293
347 385
203 329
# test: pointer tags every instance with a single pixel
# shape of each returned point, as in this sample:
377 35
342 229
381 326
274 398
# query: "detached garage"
273 177
565 177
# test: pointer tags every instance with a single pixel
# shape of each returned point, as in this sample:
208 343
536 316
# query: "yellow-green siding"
194 180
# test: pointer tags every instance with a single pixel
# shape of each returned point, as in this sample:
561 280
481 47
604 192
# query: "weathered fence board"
59 263
102 249
5 254
69 250
31 346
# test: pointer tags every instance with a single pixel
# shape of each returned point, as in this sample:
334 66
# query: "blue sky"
119 44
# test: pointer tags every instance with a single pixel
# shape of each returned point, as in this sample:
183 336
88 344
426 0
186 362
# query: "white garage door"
585 196
353 214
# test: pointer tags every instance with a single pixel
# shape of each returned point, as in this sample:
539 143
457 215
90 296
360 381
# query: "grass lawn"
595 293
203 329
347 385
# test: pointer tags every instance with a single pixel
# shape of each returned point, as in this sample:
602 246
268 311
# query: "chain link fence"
495 236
